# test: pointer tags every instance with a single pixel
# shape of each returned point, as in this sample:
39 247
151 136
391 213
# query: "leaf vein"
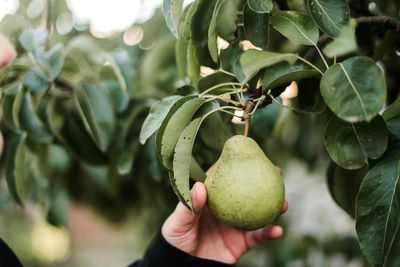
387 218
355 89
302 33
359 141
327 15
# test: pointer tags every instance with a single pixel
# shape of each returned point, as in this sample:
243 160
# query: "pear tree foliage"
114 117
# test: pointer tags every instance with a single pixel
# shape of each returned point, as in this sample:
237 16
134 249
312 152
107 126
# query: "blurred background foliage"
98 201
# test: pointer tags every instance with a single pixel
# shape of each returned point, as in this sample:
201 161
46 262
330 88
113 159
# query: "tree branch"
387 22
247 117
275 93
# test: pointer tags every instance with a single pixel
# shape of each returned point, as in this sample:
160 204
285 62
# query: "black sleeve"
7 257
161 254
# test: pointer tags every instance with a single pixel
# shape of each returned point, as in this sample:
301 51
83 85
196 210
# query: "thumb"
182 219
198 194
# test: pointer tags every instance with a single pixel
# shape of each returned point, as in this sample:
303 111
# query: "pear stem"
247 116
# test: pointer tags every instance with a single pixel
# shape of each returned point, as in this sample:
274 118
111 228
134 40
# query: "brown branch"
387 22
275 93
247 117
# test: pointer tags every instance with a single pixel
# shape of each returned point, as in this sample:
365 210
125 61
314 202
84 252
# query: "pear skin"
244 189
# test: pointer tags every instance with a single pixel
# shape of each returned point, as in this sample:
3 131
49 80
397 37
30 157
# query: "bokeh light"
133 36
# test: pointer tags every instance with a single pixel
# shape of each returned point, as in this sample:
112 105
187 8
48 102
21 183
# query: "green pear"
244 189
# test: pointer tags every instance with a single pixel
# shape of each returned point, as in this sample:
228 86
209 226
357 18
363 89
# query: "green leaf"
229 57
378 216
32 40
330 15
227 20
52 61
97 114
15 167
196 172
131 126
153 167
17 106
172 10
157 114
125 72
351 144
79 142
186 90
35 82
193 64
344 44
215 79
212 31
344 186
392 111
182 45
296 26
309 99
124 69
127 157
182 158
10 94
183 154
260 6
57 214
30 122
214 132
253 60
393 149
69 130
298 5
355 90
256 27
118 96
157 67
179 115
393 125
55 119
282 73
199 31
172 181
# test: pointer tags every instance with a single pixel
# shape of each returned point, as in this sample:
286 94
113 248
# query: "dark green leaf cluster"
75 114
363 145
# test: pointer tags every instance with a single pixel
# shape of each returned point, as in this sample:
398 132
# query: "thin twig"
310 64
386 21
322 57
48 22
220 85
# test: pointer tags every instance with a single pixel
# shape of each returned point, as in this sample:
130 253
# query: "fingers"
199 197
182 217
279 170
285 207
262 235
